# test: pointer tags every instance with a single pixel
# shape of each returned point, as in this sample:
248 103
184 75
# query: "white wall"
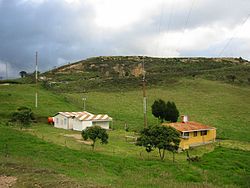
61 121
102 124
71 122
81 125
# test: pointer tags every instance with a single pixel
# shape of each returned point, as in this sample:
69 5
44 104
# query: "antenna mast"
6 71
36 102
144 94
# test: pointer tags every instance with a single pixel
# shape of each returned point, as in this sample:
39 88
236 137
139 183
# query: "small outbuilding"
80 120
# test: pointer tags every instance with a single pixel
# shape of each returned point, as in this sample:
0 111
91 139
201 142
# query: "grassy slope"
61 166
14 96
223 106
119 164
118 73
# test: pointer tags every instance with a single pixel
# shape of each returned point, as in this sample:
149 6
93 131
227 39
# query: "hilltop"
125 72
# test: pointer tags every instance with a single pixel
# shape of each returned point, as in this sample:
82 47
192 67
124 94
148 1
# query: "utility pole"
144 94
6 71
36 102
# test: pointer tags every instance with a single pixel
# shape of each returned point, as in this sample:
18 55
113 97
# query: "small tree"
231 77
172 112
23 74
23 116
161 138
159 109
94 133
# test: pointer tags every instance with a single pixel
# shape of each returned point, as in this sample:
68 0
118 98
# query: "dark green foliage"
94 133
231 77
23 74
159 109
161 138
23 116
172 112
162 111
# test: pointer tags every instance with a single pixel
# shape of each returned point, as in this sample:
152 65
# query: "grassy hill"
42 156
38 163
125 72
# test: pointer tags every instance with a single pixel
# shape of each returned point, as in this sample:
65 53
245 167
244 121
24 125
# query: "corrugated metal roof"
86 116
188 126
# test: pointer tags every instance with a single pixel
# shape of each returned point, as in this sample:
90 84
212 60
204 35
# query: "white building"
80 120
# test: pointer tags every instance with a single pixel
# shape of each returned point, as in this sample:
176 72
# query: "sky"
65 31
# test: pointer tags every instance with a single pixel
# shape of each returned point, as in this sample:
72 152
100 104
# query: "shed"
80 120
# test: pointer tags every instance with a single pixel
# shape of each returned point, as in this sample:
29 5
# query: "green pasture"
220 105
36 161
43 156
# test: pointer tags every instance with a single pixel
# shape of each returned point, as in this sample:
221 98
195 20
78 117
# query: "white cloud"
118 14
68 30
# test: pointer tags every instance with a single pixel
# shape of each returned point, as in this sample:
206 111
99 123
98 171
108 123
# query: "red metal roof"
188 126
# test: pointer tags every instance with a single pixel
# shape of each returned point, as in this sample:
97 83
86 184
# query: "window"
203 133
57 120
186 134
65 121
195 133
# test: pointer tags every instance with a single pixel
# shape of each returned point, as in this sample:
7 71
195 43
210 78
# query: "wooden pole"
144 95
36 102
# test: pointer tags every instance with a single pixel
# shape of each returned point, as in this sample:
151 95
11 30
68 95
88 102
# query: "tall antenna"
36 102
6 71
144 94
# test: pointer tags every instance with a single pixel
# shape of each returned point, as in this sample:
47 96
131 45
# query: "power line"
169 19
232 37
159 27
185 26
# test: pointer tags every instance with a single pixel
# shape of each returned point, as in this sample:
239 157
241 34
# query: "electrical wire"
233 35
185 25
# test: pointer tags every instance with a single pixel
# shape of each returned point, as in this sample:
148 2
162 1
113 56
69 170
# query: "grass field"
63 166
223 106
47 157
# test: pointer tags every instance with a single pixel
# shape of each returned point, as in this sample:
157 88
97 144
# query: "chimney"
184 118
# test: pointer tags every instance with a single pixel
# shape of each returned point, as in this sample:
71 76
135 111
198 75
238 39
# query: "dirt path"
7 181
78 138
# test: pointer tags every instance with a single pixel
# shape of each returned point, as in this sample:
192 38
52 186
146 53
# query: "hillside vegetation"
203 89
125 72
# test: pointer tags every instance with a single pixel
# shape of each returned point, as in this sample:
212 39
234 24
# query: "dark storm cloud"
63 32
51 28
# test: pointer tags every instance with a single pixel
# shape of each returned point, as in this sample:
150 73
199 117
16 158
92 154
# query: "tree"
23 74
23 116
159 109
94 133
172 112
231 77
159 137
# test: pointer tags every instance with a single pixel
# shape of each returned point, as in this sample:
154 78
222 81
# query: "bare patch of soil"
78 138
7 181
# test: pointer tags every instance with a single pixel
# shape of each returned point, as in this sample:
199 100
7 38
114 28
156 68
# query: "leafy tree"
231 77
23 74
172 112
159 137
159 109
94 133
23 116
